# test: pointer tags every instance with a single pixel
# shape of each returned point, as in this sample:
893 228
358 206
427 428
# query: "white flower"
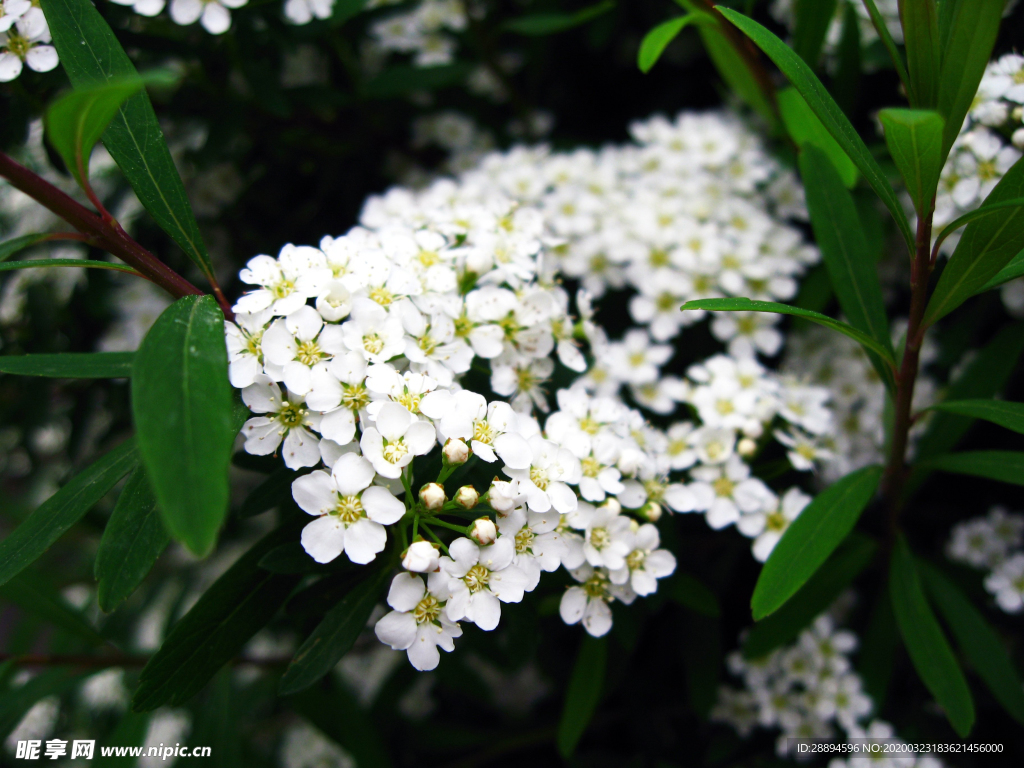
304 11
480 579
539 546
418 624
422 557
11 11
766 527
25 43
546 482
352 512
484 531
245 351
212 14
395 439
646 563
724 491
588 603
1006 582
372 332
287 420
489 428
286 282
293 345
339 390
608 537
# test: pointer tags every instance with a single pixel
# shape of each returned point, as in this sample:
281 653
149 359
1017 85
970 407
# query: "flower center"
427 344
596 587
637 359
589 425
382 296
373 343
723 486
252 343
591 466
410 400
725 407
524 540
395 452
428 258
309 353
427 610
776 521
476 578
635 559
349 509
539 478
655 490
987 170
291 415
354 396
600 538
483 432
658 258
666 302
17 44
282 288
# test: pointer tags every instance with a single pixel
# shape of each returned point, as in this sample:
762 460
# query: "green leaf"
748 305
70 365
825 107
292 558
583 693
336 634
806 129
183 409
16 702
1005 466
131 543
969 29
75 121
237 606
914 138
688 592
31 593
920 19
272 492
979 213
336 712
1009 415
986 246
10 247
399 80
812 599
91 54
847 79
878 21
26 543
655 41
218 725
811 538
1011 271
929 650
10 266
538 24
978 640
844 248
878 648
130 731
813 18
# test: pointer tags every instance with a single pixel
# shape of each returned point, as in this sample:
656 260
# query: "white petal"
513 450
406 592
301 449
42 58
324 539
574 603
216 18
423 653
484 610
363 540
315 493
381 506
10 67
397 630
393 420
186 11
352 473
598 618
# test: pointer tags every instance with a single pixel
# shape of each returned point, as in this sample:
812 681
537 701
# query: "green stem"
450 526
441 544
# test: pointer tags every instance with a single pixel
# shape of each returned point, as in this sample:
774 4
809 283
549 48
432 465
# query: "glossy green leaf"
986 246
129 732
336 634
1011 271
920 19
91 54
844 248
183 409
272 492
811 538
583 693
16 702
968 29
813 18
237 606
684 589
978 641
805 128
825 107
978 213
1005 466
292 558
132 541
846 82
929 650
749 305
539 24
32 593
878 647
70 365
655 41
1009 415
914 138
812 599
878 21
10 266
26 543
75 121
10 247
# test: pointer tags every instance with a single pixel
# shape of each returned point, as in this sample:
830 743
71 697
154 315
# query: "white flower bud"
456 451
467 497
746 447
612 505
432 496
502 495
484 531
421 557
651 511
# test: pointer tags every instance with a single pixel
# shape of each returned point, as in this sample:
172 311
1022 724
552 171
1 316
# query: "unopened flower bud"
456 451
467 497
651 511
612 505
483 531
502 495
746 447
432 496
421 557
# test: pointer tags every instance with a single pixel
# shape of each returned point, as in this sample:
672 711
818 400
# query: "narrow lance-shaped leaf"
539 24
10 266
130 731
825 107
804 127
183 410
978 641
655 41
91 54
844 249
1005 466
978 213
968 30
882 29
986 246
813 18
70 365
929 650
1010 272
131 543
14 704
66 507
811 538
583 693
914 138
1009 415
32 593
10 247
336 634
920 20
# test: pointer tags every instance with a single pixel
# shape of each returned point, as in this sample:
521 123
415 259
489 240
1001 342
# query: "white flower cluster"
214 15
424 31
807 690
784 12
994 543
24 39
